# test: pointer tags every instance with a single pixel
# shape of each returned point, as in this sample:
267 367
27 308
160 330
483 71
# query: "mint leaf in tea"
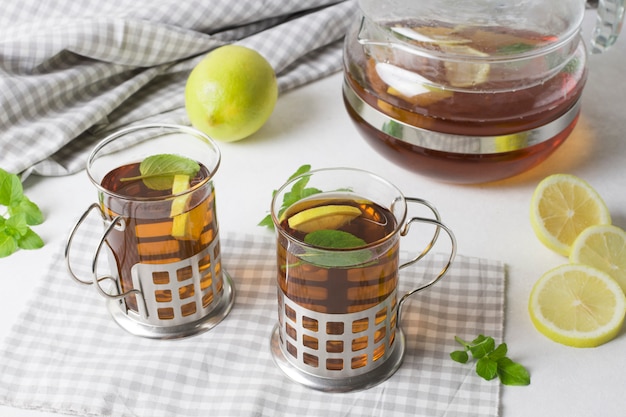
158 171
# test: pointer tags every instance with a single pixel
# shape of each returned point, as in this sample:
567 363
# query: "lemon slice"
577 305
562 206
463 73
323 217
602 247
179 205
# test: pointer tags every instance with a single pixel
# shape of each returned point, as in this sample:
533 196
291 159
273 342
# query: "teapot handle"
610 17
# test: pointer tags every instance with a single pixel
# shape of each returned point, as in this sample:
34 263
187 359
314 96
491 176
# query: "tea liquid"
494 105
148 237
341 289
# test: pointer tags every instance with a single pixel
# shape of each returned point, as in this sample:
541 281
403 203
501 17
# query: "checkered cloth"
73 71
67 355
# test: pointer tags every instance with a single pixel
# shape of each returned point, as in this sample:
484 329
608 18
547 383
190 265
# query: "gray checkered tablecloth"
66 354
73 71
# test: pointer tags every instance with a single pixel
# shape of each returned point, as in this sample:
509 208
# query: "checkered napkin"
67 355
73 71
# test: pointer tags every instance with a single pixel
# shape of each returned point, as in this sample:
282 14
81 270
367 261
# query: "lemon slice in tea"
180 218
562 206
577 305
323 217
602 247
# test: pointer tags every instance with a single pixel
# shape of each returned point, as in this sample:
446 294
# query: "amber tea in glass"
337 275
152 235
165 273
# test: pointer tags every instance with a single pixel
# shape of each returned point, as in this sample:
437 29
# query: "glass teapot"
470 91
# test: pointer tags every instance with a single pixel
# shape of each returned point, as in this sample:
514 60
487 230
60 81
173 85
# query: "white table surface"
310 125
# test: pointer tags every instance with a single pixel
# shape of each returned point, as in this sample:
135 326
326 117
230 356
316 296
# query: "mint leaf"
333 239
8 244
487 368
481 346
515 48
512 373
11 190
31 211
393 128
303 169
499 352
297 192
16 225
14 231
459 356
30 240
158 171
267 222
491 361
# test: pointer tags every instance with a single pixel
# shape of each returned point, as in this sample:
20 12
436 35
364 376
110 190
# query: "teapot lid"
428 24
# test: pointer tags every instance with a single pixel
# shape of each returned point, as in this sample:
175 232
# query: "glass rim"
171 128
399 222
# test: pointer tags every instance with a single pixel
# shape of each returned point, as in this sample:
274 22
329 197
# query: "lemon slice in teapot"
465 73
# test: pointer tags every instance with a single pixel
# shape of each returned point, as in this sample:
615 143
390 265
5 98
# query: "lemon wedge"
323 217
602 247
577 305
179 205
562 206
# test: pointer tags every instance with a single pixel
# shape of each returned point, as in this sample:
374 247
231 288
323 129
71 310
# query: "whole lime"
231 93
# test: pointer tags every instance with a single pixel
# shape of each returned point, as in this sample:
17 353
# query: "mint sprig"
21 213
298 191
158 171
491 360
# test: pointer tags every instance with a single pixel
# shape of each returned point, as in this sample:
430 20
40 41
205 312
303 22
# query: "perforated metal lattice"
336 345
178 292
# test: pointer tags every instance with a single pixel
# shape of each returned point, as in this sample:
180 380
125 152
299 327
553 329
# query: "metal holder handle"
440 226
118 223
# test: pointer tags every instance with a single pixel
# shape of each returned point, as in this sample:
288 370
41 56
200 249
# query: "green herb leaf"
572 66
515 48
14 230
459 356
499 352
11 190
267 222
482 346
492 361
158 171
30 240
31 211
298 191
335 239
16 225
487 368
512 373
393 128
8 244
303 169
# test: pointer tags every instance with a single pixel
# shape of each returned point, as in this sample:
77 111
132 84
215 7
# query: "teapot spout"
610 17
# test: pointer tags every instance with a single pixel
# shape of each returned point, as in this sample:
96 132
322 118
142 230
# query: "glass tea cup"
165 277
338 264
